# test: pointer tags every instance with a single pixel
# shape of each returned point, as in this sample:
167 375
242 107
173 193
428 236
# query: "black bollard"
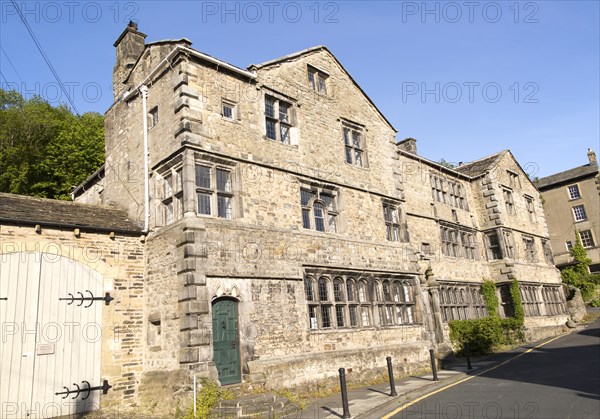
433 366
345 406
391 376
468 355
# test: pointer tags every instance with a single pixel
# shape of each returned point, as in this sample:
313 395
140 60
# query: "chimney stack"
130 46
592 157
409 145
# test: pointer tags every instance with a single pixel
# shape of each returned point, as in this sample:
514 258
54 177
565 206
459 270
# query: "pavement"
373 401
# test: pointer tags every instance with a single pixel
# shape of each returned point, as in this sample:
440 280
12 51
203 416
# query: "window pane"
311 80
338 290
168 187
353 317
348 154
308 289
284 112
285 134
319 222
204 203
350 292
223 180
325 316
203 176
328 200
305 218
227 111
339 316
322 86
362 292
224 207
356 139
312 315
364 316
306 196
323 289
271 129
358 158
347 136
270 106
169 212
331 223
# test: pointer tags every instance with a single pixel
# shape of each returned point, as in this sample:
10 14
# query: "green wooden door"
226 341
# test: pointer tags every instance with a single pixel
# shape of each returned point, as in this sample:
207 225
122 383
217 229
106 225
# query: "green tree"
447 164
46 150
578 275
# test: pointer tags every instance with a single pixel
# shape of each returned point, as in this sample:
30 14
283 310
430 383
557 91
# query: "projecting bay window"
170 190
214 190
530 249
530 299
346 302
354 143
279 119
509 244
493 245
319 209
547 252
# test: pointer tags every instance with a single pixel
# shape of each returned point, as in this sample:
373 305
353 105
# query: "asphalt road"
558 380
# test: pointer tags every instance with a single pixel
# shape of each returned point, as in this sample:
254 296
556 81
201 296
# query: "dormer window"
317 80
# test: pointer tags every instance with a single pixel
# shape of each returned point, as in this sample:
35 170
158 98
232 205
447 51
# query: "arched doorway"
226 340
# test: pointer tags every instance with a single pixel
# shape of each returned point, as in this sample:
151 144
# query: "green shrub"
207 399
484 335
488 290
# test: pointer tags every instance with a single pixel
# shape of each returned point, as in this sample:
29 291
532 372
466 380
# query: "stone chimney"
408 145
592 157
130 46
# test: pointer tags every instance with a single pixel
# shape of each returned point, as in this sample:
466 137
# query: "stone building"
572 204
287 233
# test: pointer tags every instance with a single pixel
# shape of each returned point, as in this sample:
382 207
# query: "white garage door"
50 337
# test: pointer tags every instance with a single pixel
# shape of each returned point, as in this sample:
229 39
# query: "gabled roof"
479 167
19 209
309 51
567 176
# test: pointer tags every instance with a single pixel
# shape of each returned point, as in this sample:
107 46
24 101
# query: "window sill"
269 140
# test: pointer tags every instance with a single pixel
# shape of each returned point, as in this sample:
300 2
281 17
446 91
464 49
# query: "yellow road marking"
418 399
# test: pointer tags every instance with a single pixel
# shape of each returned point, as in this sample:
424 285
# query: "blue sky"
466 79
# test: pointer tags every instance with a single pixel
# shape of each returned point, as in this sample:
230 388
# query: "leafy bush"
207 399
484 335
578 275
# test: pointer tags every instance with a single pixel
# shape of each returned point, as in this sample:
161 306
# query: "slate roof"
479 167
567 176
19 209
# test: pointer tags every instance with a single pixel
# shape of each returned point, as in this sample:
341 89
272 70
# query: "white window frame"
235 116
588 240
579 213
576 188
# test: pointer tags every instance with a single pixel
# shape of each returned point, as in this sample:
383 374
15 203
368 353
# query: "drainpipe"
144 93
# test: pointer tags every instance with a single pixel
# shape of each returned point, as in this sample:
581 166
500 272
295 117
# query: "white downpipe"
144 93
195 395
